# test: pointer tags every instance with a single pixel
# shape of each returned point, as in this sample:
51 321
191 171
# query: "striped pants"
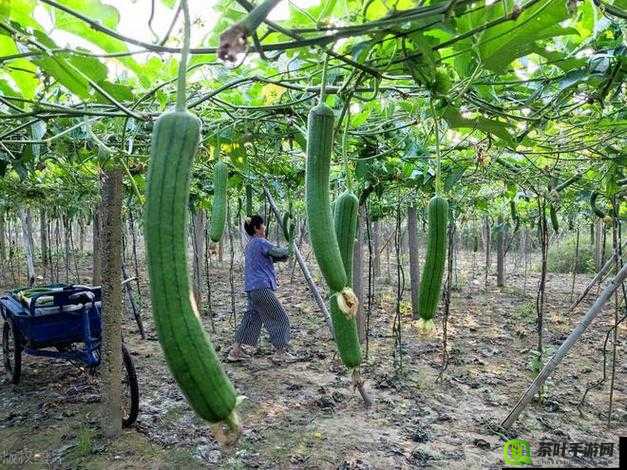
263 309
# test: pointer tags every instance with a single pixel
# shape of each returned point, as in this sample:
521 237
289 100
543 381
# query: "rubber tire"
12 361
133 386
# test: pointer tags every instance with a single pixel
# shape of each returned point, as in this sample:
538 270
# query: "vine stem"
181 102
438 166
323 85
346 161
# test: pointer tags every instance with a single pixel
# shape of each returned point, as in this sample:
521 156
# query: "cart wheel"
130 389
12 351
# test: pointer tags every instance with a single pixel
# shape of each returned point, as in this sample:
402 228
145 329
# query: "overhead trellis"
538 83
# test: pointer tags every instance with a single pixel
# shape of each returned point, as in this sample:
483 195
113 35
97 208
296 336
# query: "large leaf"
107 16
501 44
489 126
7 45
20 11
23 73
90 66
118 91
58 68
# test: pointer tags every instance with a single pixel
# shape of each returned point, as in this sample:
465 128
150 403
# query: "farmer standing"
263 306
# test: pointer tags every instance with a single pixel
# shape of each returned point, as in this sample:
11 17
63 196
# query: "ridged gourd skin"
345 221
187 348
554 221
346 335
319 217
433 268
345 326
218 208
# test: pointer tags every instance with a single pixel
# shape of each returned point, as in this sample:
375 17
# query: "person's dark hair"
251 223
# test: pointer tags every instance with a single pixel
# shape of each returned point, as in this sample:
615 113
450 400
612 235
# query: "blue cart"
63 322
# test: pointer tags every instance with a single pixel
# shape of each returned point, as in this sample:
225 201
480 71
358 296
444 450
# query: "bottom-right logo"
517 452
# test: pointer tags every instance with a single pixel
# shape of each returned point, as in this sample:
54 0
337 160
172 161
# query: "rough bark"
66 246
198 247
111 373
27 240
96 278
500 255
487 244
598 245
43 237
3 241
414 259
376 237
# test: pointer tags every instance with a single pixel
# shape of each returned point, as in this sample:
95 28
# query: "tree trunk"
111 420
358 285
27 239
414 259
66 247
525 259
598 245
198 247
43 236
96 279
487 243
376 236
500 255
544 245
3 240
81 236
388 262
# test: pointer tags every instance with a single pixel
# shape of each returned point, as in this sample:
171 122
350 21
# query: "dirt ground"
307 415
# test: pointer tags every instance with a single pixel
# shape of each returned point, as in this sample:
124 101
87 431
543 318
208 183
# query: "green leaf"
58 68
118 91
107 16
503 43
327 8
587 18
489 126
7 45
5 88
23 73
20 11
90 66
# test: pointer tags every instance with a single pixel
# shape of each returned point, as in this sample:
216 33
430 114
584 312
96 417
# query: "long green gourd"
187 349
319 217
345 326
554 221
345 221
218 208
249 200
433 269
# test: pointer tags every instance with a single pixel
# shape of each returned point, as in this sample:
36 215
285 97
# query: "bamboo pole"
565 348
